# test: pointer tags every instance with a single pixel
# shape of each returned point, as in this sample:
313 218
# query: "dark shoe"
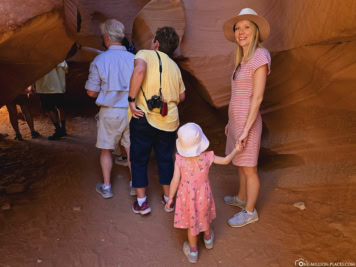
64 132
63 127
35 134
3 135
18 137
58 134
171 208
144 209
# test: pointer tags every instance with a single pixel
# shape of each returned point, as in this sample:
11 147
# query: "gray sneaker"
209 244
192 256
132 190
243 218
106 193
121 160
235 201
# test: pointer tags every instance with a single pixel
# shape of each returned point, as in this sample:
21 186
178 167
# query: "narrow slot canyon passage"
59 219
50 212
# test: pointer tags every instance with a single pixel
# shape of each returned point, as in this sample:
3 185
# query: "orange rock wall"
156 14
94 12
34 39
308 110
210 58
310 115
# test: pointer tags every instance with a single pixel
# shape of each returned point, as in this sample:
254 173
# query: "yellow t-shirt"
172 86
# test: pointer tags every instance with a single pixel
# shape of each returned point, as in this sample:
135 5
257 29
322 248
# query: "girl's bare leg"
207 233
193 240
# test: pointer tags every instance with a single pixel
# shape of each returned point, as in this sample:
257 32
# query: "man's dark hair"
168 40
125 42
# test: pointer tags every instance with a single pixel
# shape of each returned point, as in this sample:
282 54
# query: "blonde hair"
251 48
114 29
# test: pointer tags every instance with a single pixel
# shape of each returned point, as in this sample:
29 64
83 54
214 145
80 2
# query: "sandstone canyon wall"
308 110
34 37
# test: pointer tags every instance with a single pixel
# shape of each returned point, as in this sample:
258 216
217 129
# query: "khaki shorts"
113 125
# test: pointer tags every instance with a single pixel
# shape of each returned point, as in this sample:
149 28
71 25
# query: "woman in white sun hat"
248 31
195 208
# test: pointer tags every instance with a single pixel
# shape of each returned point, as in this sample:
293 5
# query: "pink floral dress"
195 207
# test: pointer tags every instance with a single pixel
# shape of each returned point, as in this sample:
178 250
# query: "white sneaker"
121 160
106 193
235 201
171 208
209 244
192 256
242 218
132 190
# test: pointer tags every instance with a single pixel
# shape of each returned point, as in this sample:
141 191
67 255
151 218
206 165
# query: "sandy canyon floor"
59 219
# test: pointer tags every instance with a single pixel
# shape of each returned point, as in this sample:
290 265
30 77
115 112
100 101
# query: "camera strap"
160 78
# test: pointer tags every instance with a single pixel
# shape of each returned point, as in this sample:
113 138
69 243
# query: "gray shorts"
113 126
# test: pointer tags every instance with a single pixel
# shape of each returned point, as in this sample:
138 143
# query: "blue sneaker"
243 218
106 193
235 201
209 244
192 256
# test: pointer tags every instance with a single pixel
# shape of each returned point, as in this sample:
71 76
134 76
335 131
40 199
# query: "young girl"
195 207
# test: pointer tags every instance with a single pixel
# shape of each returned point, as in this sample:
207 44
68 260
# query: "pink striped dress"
241 94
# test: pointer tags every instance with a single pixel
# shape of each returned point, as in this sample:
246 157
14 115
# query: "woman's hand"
242 140
226 129
136 113
237 146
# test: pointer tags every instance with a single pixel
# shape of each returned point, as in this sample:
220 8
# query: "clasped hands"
169 203
241 141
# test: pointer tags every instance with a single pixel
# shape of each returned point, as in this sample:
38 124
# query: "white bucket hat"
191 140
246 14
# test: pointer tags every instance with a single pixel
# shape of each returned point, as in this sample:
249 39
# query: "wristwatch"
130 99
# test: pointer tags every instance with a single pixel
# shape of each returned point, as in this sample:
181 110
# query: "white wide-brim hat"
191 140
246 14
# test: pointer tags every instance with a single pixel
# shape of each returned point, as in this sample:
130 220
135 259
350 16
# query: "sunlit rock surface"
210 58
94 12
34 37
308 110
156 14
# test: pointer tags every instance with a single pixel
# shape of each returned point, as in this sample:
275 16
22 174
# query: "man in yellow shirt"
156 88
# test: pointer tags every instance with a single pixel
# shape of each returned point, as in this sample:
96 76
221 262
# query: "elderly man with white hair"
108 82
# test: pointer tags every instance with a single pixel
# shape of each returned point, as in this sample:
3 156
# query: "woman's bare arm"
259 84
